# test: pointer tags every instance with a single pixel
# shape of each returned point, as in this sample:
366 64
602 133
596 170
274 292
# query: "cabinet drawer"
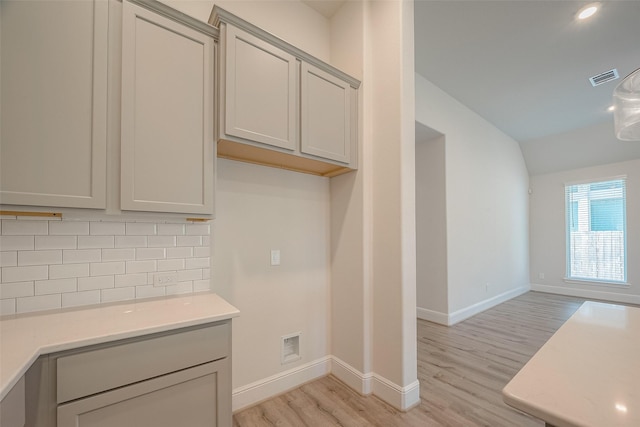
100 369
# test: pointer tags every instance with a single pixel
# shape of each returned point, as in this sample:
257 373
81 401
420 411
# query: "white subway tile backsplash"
118 254
81 298
196 263
201 285
68 228
202 251
91 283
68 271
184 275
95 242
16 289
17 227
150 253
9 259
38 303
56 242
107 228
39 257
56 286
24 274
16 243
141 266
171 264
8 306
171 229
189 241
140 229
161 241
47 264
106 268
185 252
117 294
134 279
73 256
149 291
131 241
180 288
197 229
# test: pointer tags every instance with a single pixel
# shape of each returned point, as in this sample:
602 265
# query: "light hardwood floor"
462 370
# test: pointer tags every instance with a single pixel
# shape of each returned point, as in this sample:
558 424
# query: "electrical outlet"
541 276
165 279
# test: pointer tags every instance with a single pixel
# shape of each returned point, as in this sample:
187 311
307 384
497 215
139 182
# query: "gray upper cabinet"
260 98
82 80
167 143
280 106
53 85
325 115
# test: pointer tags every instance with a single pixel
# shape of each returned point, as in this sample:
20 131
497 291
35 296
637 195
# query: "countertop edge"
47 348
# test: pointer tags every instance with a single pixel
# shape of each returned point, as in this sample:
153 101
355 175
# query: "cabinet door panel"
326 115
167 115
53 81
184 398
260 91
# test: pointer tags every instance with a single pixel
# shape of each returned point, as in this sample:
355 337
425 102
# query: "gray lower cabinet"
183 398
177 378
12 410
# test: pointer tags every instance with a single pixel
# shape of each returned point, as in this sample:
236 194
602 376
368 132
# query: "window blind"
596 231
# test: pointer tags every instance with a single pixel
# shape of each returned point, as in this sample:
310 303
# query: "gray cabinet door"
53 81
325 115
185 398
168 148
260 90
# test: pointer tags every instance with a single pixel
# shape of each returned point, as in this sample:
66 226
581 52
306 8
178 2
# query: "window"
596 231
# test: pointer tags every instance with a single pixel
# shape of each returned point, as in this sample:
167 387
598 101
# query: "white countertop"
23 338
587 374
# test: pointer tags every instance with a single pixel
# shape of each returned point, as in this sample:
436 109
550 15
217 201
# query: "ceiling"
524 64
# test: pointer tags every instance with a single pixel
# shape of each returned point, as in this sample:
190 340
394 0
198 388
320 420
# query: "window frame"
570 227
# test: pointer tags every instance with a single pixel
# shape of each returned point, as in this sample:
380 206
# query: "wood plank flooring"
462 370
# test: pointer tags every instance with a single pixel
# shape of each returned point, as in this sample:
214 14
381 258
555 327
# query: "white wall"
548 241
487 204
350 211
580 148
260 209
431 227
393 193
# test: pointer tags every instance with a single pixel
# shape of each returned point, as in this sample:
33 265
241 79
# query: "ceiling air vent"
601 78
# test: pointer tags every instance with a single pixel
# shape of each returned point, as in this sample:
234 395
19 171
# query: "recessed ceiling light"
588 11
611 108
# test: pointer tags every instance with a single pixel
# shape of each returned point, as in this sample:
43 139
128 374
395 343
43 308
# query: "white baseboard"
403 398
351 376
587 293
472 310
432 316
274 385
